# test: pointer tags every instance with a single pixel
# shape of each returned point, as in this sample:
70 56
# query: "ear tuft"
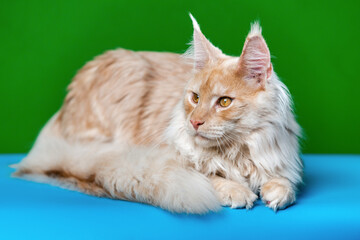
254 63
195 23
255 29
202 51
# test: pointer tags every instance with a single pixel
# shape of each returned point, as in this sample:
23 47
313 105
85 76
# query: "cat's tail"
152 176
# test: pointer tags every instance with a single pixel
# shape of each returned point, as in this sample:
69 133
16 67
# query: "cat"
188 133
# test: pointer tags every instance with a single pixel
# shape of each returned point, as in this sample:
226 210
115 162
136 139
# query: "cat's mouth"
204 140
201 136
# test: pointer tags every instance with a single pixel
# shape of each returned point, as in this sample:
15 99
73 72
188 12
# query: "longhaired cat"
188 133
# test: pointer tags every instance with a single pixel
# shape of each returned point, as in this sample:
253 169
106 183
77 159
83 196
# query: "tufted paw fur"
233 194
278 193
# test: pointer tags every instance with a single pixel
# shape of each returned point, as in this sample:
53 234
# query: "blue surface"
327 208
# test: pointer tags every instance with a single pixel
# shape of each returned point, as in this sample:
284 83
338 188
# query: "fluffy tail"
142 175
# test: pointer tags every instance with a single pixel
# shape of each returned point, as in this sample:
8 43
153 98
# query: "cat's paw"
237 197
278 193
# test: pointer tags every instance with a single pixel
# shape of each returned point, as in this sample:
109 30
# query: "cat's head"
219 98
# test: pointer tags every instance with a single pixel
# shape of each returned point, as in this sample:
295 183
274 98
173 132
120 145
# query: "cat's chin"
204 141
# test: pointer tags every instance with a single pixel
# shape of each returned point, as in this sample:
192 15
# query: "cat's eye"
225 101
195 98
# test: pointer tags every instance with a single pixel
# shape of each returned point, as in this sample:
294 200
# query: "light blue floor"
328 208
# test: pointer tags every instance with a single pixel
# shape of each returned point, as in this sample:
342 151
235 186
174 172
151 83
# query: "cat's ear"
254 63
202 50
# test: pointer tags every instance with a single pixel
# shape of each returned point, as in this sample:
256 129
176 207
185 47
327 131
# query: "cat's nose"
196 123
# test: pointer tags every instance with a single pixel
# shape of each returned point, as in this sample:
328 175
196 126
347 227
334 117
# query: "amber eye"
225 101
195 98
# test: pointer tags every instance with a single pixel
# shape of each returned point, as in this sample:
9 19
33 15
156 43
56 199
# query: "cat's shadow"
311 182
214 215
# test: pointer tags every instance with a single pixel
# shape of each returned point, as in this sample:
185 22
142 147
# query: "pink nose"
196 123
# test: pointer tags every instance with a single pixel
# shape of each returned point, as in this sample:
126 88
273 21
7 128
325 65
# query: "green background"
314 44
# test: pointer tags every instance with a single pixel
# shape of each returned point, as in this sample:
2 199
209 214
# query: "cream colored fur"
124 130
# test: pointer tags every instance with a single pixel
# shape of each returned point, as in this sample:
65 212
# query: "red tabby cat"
186 132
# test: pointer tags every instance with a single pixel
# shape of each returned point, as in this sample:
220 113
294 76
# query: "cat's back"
123 95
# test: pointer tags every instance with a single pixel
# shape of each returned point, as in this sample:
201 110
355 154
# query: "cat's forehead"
219 80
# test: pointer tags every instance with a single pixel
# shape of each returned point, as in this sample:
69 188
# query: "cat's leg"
278 193
155 177
151 176
233 194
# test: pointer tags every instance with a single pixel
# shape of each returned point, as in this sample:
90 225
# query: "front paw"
278 193
237 196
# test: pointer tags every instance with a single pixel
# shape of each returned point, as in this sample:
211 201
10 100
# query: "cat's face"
223 91
215 101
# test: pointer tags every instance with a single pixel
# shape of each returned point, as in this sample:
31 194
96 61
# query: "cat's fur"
124 130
